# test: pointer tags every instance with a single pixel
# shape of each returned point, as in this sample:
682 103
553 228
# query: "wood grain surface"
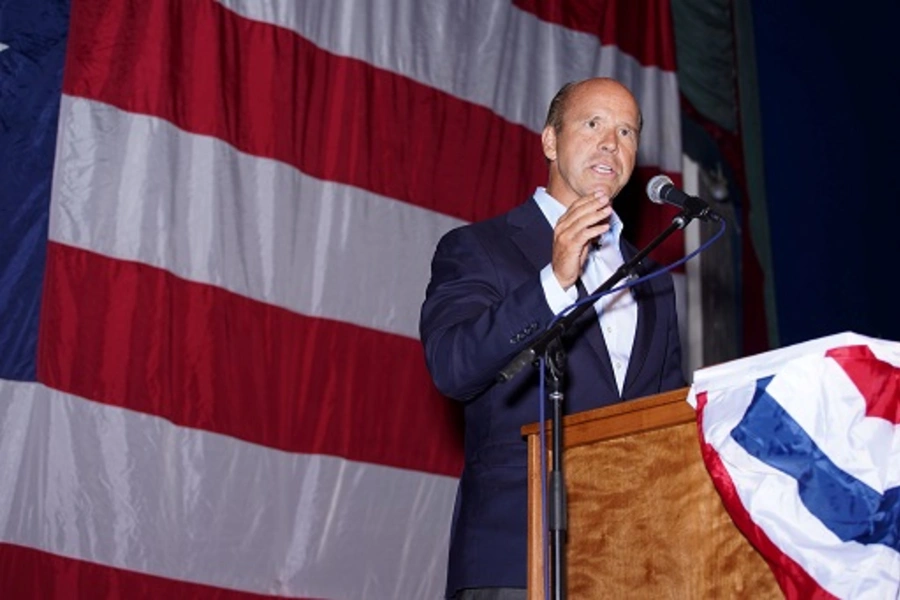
644 520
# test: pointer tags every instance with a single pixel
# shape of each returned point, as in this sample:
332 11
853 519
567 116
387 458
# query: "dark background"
829 87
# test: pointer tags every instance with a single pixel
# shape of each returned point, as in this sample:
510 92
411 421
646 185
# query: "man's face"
596 147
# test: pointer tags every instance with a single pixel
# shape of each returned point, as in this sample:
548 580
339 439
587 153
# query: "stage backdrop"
216 220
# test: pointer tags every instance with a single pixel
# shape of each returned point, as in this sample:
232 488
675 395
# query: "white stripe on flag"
266 230
751 368
124 489
817 393
506 48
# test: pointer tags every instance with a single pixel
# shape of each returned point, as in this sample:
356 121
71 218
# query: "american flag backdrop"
216 222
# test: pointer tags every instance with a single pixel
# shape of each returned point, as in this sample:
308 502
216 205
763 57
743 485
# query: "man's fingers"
585 220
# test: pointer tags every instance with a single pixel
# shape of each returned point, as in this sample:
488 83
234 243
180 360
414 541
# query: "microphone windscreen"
655 187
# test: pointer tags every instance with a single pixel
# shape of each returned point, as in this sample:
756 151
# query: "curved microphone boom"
661 190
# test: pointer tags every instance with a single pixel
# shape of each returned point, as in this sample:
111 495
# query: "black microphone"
661 190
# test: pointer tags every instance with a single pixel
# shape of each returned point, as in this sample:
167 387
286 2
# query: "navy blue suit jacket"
484 305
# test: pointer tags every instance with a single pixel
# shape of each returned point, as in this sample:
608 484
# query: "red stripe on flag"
135 336
271 93
878 381
29 573
642 29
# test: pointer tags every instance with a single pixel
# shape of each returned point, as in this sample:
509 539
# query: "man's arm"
476 319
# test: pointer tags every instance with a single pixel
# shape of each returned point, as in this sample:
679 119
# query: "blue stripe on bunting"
30 86
852 510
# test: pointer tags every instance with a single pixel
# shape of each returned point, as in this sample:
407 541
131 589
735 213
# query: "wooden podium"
644 520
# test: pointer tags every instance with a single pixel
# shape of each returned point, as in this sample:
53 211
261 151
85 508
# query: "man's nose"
608 141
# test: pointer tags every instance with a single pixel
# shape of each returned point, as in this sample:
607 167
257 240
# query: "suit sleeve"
476 317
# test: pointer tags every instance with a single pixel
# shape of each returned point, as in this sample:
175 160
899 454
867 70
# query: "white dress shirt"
617 312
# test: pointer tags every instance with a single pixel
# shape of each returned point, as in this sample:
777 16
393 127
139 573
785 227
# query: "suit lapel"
589 327
646 321
531 233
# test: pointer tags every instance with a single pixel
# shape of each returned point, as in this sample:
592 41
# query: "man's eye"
592 124
626 132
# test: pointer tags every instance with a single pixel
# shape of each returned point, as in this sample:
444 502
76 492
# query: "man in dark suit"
496 285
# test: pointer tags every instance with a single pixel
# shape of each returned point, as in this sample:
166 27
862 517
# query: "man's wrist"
558 298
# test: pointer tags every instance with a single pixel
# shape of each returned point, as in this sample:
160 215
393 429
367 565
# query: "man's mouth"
602 169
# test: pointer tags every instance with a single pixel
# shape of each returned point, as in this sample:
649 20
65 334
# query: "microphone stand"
549 344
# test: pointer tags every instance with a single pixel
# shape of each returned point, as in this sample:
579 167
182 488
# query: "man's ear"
548 141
